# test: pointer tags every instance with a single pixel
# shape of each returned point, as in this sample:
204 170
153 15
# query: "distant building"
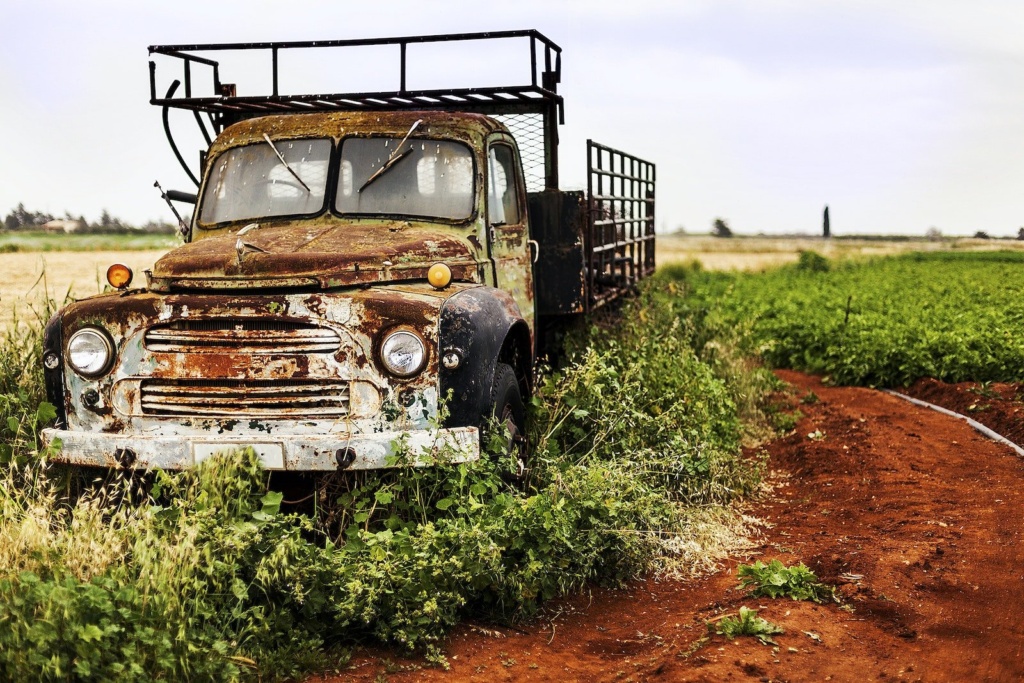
62 225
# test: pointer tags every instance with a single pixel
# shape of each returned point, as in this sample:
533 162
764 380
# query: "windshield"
420 177
254 181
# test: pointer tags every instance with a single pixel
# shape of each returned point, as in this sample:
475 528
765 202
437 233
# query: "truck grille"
225 397
241 335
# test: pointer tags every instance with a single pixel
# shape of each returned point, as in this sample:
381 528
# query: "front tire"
508 412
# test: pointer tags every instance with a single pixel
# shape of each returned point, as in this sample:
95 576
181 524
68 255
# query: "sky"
901 116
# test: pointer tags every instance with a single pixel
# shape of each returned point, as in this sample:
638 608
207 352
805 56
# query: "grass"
203 575
26 240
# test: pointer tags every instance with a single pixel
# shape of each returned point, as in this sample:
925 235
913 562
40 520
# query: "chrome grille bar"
241 336
224 397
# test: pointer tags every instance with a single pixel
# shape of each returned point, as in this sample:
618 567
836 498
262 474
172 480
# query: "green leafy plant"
776 580
746 624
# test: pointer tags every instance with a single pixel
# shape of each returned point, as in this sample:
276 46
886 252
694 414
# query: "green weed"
776 580
746 624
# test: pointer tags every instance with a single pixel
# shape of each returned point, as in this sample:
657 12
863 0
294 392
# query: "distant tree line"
21 218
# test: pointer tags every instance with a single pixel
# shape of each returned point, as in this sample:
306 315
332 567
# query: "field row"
885 322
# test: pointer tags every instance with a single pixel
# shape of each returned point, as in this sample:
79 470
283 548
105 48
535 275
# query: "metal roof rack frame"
538 97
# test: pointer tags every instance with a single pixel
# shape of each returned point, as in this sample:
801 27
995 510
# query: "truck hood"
324 256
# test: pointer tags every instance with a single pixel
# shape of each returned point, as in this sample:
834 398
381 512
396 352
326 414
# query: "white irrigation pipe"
974 423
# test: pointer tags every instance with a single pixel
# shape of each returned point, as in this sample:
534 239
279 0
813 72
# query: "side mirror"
184 197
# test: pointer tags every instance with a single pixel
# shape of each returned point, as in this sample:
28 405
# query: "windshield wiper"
395 157
285 163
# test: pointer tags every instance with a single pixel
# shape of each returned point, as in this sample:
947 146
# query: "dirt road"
912 514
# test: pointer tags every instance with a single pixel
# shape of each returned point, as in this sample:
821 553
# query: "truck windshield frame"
428 178
423 178
250 182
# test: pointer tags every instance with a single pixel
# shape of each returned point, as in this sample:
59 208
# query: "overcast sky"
900 115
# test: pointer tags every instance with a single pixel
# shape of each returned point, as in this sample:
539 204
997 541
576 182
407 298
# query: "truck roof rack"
532 110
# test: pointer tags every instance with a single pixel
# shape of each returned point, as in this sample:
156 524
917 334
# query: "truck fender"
53 378
475 324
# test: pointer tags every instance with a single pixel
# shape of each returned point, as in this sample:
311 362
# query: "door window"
502 187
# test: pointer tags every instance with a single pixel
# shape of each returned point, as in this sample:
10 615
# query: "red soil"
912 514
995 405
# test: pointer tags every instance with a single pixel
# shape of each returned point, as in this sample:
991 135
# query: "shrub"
813 261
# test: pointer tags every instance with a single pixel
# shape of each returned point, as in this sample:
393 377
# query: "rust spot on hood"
338 255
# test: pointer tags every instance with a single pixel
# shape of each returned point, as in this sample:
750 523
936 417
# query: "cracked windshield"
417 177
272 178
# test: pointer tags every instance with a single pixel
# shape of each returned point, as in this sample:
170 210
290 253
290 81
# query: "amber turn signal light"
119 276
439 275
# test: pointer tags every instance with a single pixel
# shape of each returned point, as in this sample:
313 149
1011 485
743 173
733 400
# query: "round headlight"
403 353
90 352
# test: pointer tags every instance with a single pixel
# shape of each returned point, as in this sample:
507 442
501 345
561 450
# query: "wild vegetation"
208 575
883 322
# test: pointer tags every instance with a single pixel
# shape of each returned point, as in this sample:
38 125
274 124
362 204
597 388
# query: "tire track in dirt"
916 504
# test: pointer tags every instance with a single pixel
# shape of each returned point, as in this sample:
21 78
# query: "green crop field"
883 322
26 240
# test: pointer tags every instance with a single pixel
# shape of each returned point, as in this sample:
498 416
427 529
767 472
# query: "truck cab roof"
465 126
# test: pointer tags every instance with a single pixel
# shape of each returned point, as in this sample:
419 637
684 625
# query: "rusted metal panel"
232 397
195 368
463 127
243 335
557 223
474 325
305 452
300 254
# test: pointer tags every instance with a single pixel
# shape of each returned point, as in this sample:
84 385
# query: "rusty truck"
362 272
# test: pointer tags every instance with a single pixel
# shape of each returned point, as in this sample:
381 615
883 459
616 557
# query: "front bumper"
279 452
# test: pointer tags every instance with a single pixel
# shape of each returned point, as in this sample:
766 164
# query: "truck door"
507 226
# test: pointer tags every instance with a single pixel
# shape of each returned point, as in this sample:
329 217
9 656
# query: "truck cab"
357 289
